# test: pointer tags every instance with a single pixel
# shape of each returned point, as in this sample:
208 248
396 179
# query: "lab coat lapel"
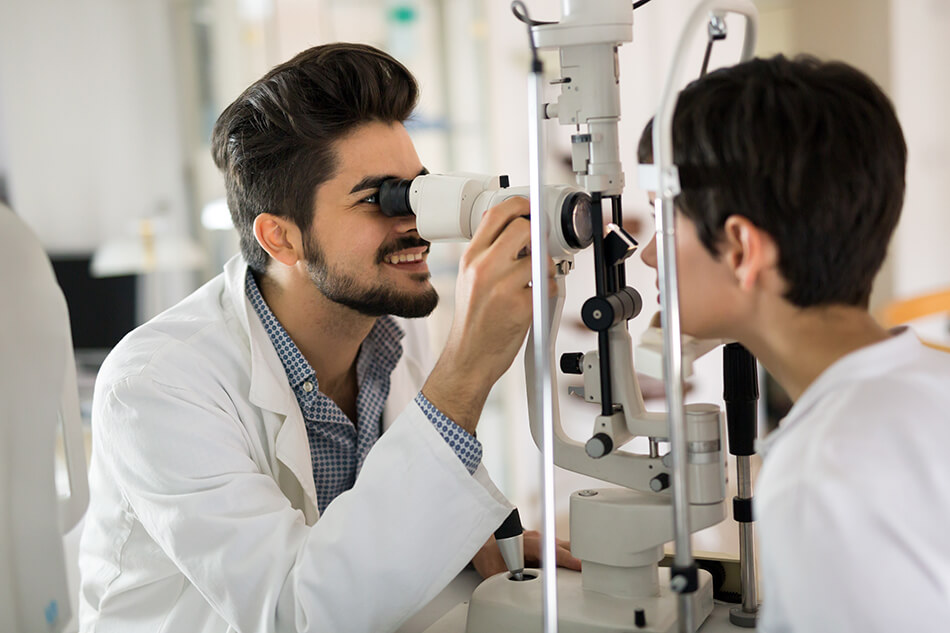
270 391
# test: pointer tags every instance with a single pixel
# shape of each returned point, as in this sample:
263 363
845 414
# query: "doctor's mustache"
400 244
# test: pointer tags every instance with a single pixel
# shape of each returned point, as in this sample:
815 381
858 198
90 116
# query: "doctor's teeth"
401 259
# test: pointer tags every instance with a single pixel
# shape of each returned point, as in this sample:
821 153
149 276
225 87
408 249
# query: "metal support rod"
750 602
541 327
600 284
740 392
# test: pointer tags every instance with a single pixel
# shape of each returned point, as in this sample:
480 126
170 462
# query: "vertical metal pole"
542 335
740 391
750 600
673 376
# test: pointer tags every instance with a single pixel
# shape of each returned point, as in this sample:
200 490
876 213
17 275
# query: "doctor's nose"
404 224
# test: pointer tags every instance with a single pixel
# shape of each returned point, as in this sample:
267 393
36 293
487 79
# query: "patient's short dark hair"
275 143
809 151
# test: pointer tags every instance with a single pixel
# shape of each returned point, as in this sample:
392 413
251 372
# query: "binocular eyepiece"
394 197
450 207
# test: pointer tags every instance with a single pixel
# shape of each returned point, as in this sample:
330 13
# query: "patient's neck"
797 344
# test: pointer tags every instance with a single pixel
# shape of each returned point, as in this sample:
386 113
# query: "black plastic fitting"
572 363
740 393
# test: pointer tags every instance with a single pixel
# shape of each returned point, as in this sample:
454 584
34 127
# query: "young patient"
792 183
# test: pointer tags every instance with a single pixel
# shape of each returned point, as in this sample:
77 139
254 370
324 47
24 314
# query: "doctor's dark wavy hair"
809 151
275 143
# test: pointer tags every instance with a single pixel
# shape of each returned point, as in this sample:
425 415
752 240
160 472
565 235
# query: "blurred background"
106 109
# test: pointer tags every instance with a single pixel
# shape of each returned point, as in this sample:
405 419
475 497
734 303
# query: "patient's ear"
280 237
750 253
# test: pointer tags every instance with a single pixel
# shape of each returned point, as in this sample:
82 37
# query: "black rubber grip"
740 424
739 374
510 527
741 393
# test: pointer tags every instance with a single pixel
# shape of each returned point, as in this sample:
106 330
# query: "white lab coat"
203 516
853 499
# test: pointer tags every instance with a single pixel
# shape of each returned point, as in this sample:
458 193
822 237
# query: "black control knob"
599 445
600 313
640 618
572 363
660 482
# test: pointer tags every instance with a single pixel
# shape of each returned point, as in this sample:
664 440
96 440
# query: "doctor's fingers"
511 285
562 551
515 242
562 555
497 220
523 275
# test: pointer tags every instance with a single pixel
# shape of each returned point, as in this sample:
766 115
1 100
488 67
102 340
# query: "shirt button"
308 386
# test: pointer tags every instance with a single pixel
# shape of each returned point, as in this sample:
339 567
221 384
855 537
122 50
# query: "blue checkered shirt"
337 446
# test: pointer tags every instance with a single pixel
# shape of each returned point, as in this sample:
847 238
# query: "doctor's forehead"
371 182
376 149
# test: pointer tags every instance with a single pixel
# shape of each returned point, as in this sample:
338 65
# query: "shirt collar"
382 345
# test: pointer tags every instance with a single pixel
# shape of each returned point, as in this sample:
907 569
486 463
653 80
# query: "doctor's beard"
370 299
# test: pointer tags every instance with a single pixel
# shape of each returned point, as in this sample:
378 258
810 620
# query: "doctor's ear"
280 237
750 253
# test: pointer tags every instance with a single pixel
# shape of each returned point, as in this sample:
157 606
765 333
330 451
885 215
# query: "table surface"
447 612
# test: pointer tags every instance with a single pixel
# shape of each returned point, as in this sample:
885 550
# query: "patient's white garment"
853 500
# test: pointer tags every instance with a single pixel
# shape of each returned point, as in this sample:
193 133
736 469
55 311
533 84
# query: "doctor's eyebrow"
373 182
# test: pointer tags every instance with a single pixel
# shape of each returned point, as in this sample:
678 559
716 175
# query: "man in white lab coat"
792 183
240 477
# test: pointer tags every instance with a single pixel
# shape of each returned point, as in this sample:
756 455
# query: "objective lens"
576 224
394 197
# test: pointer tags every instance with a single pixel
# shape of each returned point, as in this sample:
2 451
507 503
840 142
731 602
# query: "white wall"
4 166
921 92
90 117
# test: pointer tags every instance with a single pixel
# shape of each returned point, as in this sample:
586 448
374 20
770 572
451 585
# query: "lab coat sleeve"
380 552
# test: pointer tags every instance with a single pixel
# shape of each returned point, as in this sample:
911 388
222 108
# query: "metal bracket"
652 180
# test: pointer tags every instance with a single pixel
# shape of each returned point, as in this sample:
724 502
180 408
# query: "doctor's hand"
488 560
492 313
